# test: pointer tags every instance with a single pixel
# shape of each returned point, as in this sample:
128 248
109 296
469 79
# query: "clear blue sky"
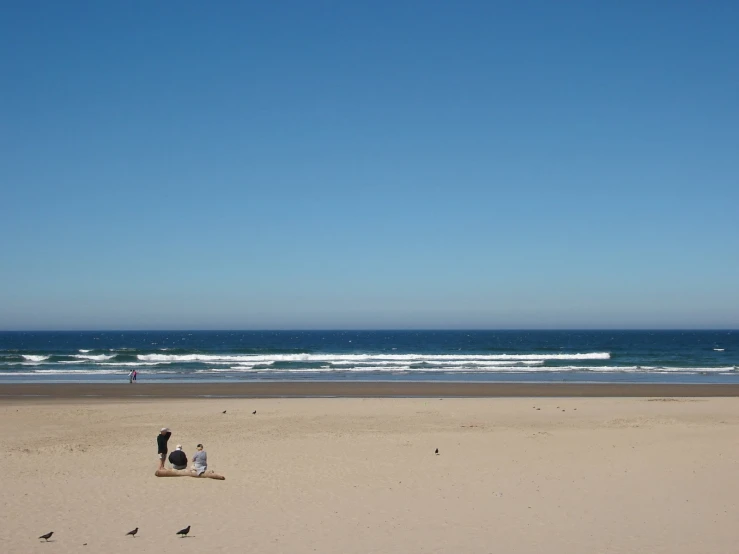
369 165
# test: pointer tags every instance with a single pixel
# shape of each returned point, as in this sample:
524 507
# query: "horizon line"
360 330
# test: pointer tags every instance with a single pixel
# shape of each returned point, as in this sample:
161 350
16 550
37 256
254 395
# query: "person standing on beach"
130 376
162 439
135 374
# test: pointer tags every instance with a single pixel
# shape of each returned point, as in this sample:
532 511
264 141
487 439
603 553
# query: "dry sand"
577 475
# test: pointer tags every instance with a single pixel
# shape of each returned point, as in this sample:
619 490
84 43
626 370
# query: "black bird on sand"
224 411
436 451
47 536
254 412
184 531
133 533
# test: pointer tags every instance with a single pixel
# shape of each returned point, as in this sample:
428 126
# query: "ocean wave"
35 358
133 364
390 369
435 361
94 357
335 358
645 369
262 369
69 372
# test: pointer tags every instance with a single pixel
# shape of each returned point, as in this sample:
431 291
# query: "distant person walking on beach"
130 376
178 458
162 439
135 374
200 461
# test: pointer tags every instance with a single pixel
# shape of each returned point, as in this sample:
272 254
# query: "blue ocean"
514 356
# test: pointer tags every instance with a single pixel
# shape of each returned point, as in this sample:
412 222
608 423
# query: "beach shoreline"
379 389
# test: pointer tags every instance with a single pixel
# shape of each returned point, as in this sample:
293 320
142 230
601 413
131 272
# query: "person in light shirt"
200 461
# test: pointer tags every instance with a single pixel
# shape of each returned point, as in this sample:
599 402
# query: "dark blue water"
593 356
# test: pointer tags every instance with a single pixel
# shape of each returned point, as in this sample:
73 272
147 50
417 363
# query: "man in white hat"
162 439
178 458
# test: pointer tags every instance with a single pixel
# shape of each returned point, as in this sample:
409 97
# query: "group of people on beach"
178 458
132 376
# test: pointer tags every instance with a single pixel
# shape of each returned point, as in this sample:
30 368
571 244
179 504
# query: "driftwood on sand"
187 473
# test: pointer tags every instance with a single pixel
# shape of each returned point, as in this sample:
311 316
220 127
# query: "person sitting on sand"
162 439
178 458
200 461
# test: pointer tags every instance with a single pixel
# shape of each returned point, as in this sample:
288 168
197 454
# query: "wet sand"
359 390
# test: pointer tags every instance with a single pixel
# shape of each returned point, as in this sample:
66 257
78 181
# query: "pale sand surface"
360 475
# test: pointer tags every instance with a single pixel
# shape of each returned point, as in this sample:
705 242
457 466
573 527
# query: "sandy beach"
350 475
358 389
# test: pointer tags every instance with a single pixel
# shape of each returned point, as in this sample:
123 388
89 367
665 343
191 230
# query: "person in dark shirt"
162 439
178 458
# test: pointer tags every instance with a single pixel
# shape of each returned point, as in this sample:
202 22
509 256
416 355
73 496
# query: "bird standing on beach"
183 532
436 451
254 412
47 536
224 411
133 533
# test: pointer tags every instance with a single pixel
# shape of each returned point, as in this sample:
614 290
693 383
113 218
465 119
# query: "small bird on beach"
47 536
183 532
436 451
224 411
254 412
133 533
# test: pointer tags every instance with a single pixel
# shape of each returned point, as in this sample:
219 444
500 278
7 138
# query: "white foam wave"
75 372
133 364
255 368
431 361
83 350
404 368
72 372
94 357
409 369
336 358
370 366
35 358
645 369
77 362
